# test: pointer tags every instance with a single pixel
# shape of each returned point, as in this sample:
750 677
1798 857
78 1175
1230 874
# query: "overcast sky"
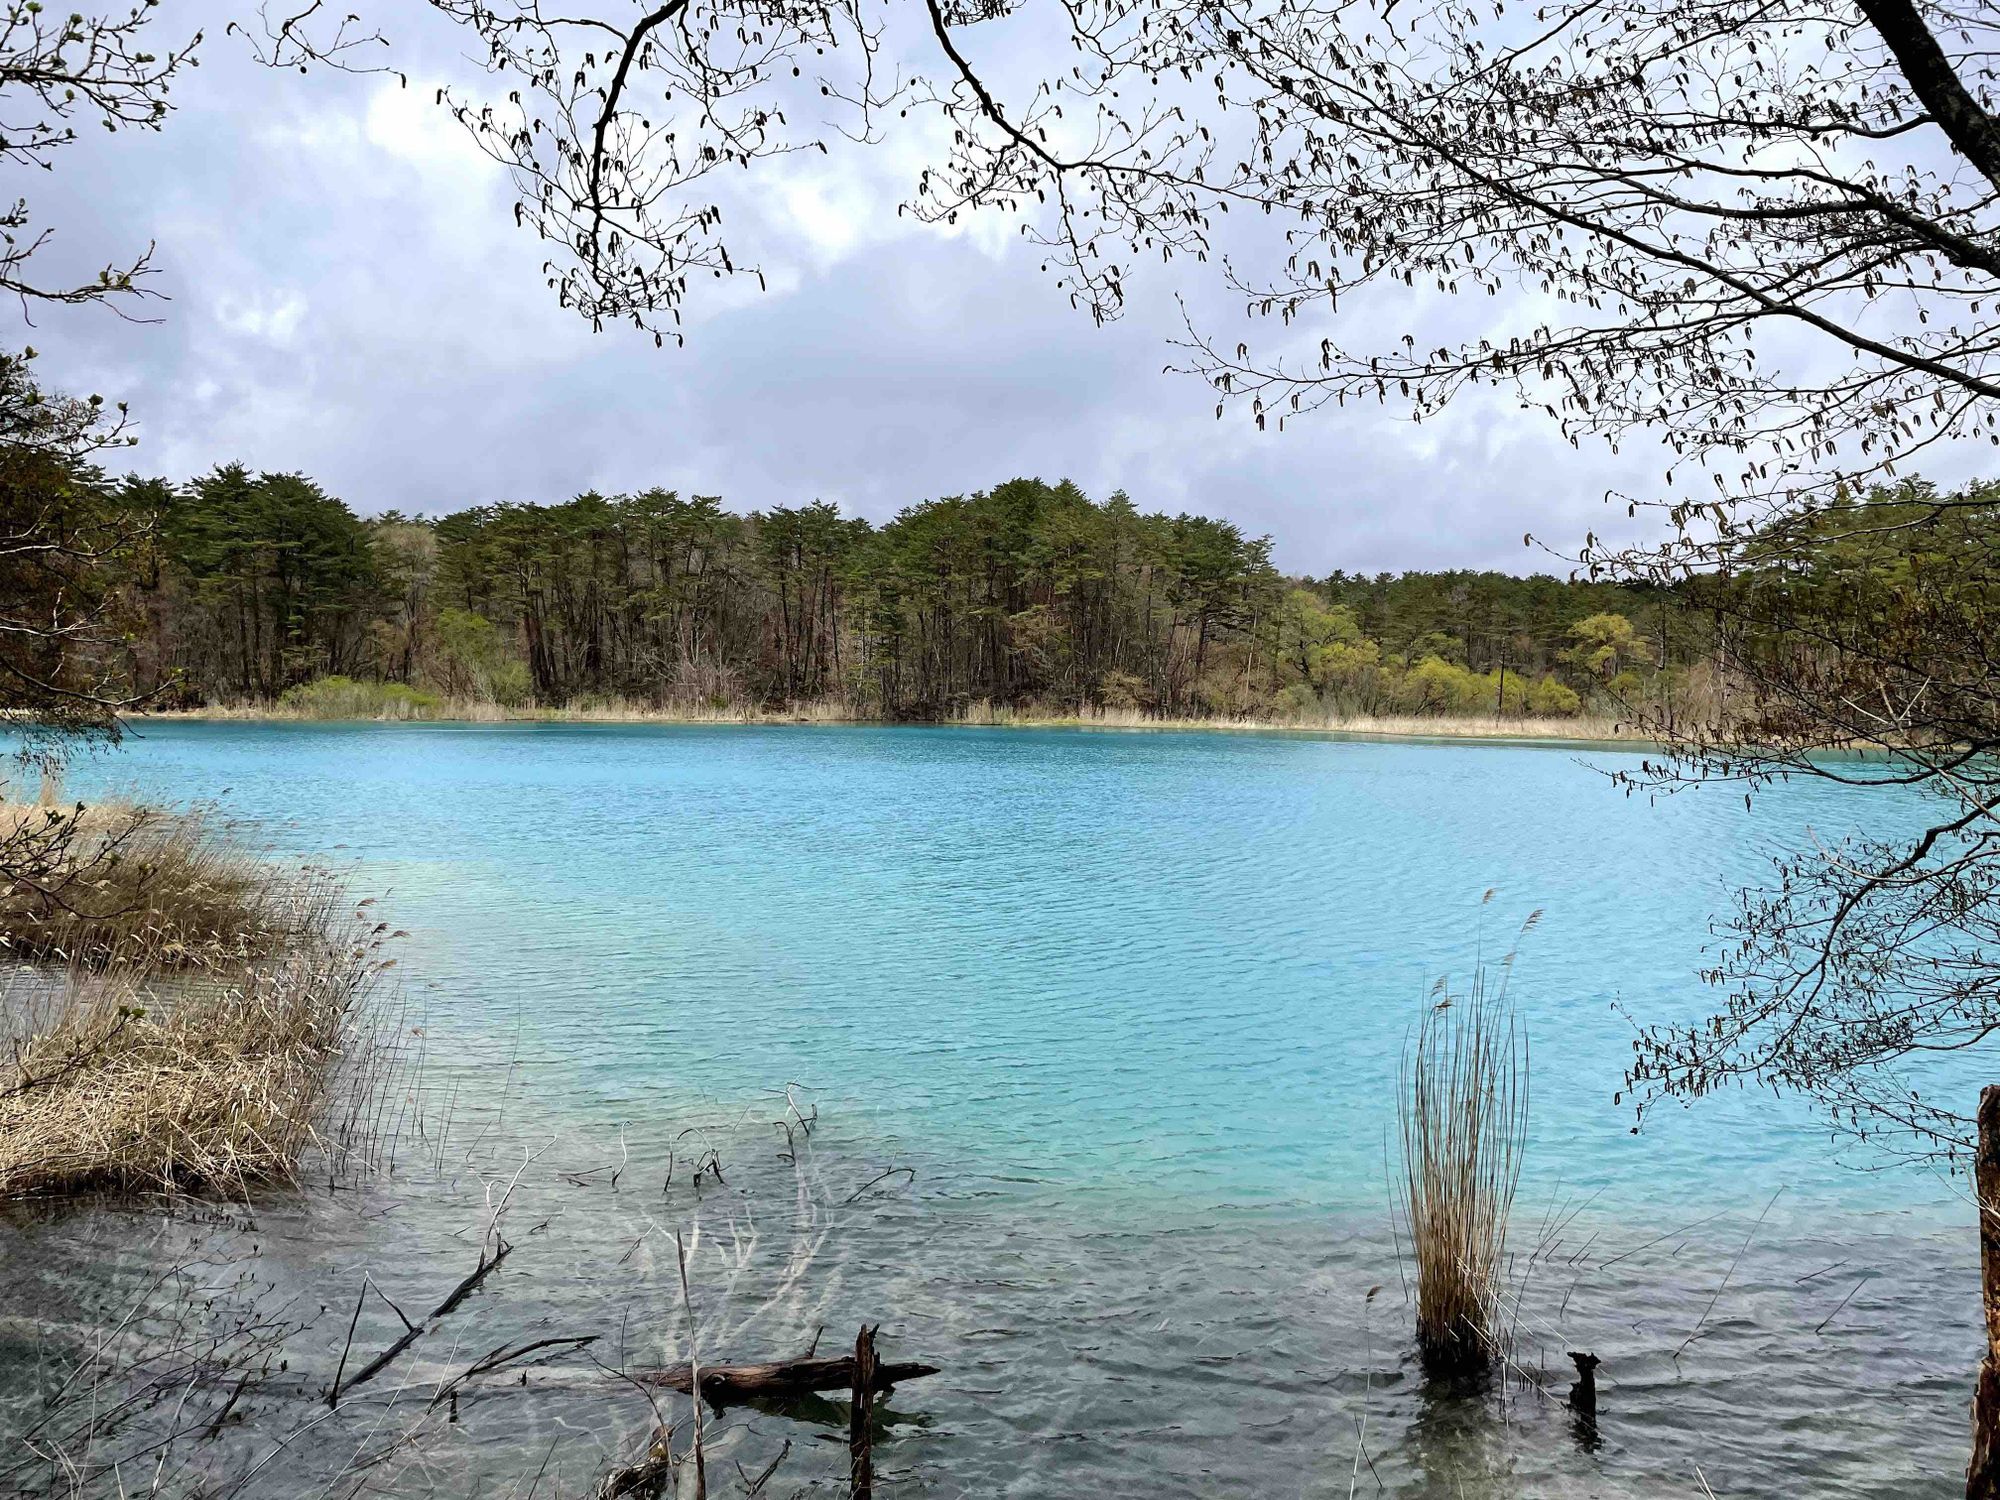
349 297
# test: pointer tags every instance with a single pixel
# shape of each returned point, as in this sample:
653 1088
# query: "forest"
261 588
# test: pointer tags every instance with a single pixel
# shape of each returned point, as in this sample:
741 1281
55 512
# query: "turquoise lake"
1122 1013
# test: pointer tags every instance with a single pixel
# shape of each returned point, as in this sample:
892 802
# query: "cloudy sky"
348 296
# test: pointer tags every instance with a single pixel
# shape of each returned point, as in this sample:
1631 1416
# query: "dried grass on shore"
191 1017
1385 726
978 714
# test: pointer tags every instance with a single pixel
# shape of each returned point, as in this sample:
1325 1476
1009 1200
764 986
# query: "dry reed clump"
206 1012
114 884
1464 1116
219 1087
980 713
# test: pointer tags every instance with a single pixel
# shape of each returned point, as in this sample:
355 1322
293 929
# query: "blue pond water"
1130 1006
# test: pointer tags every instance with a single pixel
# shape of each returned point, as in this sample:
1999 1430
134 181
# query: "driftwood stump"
860 1417
1982 1475
1583 1401
862 1374
1583 1395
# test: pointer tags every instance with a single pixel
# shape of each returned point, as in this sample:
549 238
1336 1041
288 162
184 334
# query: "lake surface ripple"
1126 1010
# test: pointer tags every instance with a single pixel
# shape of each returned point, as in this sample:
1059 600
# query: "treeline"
251 587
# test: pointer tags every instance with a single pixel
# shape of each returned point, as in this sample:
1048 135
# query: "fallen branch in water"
723 1384
880 1177
415 1331
504 1356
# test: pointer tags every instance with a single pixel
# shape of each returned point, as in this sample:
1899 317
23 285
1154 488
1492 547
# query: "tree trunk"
1982 1476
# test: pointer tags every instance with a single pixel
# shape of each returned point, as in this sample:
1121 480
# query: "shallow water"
1128 1006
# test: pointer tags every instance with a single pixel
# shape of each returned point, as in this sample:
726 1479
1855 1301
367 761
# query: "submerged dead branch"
724 1385
488 1264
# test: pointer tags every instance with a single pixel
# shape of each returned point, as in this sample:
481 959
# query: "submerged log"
722 1384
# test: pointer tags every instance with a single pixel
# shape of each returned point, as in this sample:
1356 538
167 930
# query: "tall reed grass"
1398 726
1463 1112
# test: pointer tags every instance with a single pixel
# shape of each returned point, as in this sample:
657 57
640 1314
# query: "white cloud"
272 317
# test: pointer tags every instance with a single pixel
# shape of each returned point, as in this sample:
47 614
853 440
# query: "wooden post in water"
1583 1401
1982 1475
860 1417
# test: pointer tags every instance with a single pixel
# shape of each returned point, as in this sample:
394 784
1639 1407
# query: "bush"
1298 701
1552 700
345 698
510 685
1217 699
1437 686
1122 690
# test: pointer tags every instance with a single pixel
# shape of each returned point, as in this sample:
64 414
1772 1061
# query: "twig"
1726 1277
880 1176
414 1331
1859 1281
486 1364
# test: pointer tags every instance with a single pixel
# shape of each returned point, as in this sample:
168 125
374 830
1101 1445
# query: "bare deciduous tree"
1863 640
1763 231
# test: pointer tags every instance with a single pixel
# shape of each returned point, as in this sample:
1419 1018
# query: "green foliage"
470 655
271 582
1317 639
1607 648
1029 595
1298 701
1554 700
1437 686
64 540
509 685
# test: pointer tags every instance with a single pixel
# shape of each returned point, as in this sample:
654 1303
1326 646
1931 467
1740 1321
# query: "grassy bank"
336 699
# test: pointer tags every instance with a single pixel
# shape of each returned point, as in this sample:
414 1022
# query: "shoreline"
1526 730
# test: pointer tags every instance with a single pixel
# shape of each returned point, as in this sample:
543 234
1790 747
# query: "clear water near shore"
1129 1008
